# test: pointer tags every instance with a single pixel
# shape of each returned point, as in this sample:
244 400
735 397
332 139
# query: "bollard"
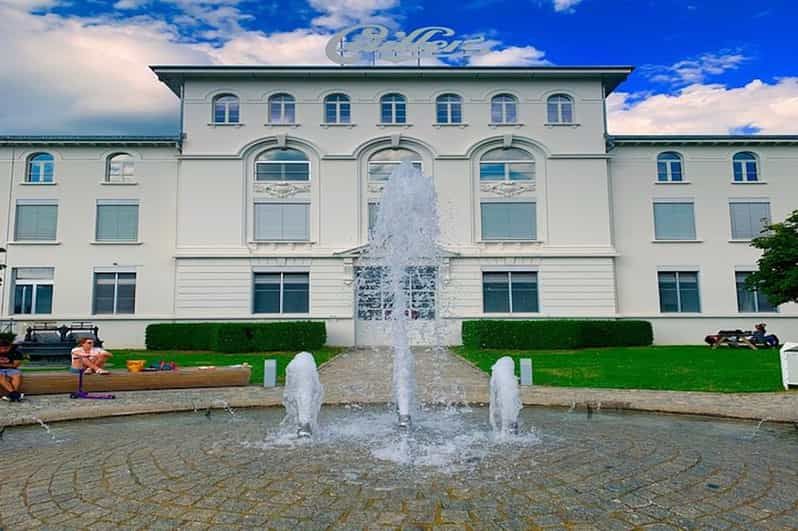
269 373
526 371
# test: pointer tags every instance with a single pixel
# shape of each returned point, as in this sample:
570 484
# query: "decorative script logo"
371 41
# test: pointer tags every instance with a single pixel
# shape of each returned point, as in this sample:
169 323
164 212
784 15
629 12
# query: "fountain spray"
303 394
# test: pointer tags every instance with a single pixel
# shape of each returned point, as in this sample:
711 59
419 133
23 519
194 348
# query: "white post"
269 373
526 371
789 364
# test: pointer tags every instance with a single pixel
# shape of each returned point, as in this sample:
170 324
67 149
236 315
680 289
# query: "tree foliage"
777 276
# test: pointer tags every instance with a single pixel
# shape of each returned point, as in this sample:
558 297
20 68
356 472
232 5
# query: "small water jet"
505 397
303 394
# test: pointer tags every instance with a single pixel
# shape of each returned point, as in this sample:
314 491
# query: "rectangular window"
114 293
750 301
678 292
509 221
282 221
117 221
674 221
281 293
375 300
282 171
33 290
748 220
511 292
36 221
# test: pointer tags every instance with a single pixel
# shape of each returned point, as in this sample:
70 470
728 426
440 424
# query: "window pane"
662 171
688 292
508 221
522 171
104 287
219 113
751 170
372 222
401 114
457 113
763 304
746 299
386 113
525 292
232 110
674 221
567 113
296 292
676 171
496 113
345 113
738 171
117 222
668 294
268 221
491 171
126 293
442 113
295 222
553 114
296 172
36 222
267 293
44 298
23 298
495 293
380 171
330 115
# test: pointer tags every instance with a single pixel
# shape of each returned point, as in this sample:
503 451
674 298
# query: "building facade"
261 208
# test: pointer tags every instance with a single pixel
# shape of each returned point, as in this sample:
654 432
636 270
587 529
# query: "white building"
259 211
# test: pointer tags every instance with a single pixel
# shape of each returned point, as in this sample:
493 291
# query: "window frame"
558 102
510 305
507 101
286 103
115 303
679 304
227 109
756 294
393 101
34 285
34 161
130 162
35 203
487 202
506 166
337 102
452 106
282 274
669 164
417 163
282 162
744 170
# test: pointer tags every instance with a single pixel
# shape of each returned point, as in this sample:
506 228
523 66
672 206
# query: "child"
10 375
89 358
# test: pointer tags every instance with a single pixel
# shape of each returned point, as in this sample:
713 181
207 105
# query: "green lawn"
679 368
196 358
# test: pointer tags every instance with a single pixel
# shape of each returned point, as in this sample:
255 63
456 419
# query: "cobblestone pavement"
364 376
568 470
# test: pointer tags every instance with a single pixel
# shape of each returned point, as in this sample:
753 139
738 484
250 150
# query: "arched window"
449 109
669 167
504 109
382 163
507 164
282 109
225 109
746 167
560 108
120 168
282 165
41 168
393 109
337 109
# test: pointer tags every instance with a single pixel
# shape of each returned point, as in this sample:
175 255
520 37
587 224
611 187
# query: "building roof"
705 140
88 140
175 75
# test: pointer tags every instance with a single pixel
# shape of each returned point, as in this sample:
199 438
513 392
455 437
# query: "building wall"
708 183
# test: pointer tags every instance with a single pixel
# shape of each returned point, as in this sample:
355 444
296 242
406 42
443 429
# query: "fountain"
303 394
404 251
505 397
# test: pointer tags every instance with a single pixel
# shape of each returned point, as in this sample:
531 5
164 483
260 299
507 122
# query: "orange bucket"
135 365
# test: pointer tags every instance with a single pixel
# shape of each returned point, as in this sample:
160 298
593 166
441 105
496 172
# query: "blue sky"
703 66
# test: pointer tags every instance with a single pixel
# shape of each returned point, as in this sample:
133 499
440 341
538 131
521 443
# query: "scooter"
85 394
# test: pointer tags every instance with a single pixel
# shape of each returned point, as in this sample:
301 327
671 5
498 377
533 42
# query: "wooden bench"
42 383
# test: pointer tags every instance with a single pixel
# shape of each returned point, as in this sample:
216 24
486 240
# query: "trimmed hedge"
237 337
555 334
7 336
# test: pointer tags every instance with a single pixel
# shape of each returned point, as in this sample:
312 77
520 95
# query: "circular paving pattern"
227 471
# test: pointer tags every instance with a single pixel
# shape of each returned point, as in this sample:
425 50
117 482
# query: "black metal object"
51 343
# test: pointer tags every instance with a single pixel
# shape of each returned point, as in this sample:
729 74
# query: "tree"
778 267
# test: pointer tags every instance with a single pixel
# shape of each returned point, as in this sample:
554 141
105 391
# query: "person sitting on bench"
761 336
10 375
88 358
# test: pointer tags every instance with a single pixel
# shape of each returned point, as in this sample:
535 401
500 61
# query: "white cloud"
566 6
716 109
511 56
340 13
695 70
